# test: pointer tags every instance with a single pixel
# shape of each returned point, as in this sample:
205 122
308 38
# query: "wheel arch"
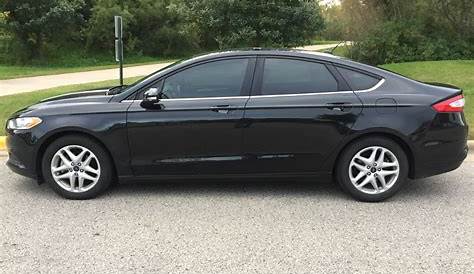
67 132
384 134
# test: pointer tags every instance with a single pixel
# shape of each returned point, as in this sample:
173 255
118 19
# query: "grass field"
459 73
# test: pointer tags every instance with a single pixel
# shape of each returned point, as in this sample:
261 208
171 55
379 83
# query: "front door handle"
338 106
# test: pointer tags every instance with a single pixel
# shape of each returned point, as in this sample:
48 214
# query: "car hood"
67 103
78 96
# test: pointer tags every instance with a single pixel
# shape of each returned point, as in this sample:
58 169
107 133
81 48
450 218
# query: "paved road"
27 84
286 226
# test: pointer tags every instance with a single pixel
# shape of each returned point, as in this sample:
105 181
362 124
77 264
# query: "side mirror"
151 98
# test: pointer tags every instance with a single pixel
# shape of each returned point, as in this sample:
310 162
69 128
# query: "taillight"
453 104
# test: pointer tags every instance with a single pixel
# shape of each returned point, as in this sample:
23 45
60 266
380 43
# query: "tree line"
383 31
157 27
390 31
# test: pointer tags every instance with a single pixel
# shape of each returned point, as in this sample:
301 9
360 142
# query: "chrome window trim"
300 94
372 88
195 99
269 96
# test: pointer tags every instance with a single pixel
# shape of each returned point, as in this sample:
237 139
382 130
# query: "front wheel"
77 167
372 169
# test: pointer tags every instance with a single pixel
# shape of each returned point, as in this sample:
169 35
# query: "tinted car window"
215 79
287 76
357 80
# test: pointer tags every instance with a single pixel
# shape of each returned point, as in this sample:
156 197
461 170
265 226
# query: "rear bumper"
444 158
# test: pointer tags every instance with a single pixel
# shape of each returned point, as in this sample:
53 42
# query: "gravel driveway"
239 226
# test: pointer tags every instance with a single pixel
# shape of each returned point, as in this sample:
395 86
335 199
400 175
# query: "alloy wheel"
374 170
75 168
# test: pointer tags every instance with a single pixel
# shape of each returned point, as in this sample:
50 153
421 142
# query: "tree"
387 31
246 23
150 26
35 22
458 14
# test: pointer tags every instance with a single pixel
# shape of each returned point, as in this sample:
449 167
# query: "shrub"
395 41
152 27
245 23
35 23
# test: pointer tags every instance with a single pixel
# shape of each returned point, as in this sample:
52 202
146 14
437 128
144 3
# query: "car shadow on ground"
297 188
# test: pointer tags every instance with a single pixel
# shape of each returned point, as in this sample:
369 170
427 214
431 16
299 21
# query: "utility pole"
119 45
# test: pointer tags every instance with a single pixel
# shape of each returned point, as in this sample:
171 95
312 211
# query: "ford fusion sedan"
240 114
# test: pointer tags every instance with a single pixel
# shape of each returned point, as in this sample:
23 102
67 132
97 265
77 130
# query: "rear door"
298 112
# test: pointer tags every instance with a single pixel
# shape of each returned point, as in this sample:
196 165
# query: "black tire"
106 174
342 168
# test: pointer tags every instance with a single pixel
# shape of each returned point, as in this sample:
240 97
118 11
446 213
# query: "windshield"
150 75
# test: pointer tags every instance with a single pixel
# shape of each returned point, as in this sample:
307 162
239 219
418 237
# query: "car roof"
266 52
296 53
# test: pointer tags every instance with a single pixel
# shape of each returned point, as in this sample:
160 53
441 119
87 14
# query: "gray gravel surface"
239 226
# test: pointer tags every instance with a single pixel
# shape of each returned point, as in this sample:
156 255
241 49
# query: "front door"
296 116
195 130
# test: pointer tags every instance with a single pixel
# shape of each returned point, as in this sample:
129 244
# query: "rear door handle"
222 108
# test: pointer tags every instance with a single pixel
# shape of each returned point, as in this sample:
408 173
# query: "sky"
330 2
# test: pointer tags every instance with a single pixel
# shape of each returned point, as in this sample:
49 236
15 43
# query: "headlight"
23 123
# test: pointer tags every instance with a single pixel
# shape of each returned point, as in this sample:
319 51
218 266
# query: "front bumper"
21 154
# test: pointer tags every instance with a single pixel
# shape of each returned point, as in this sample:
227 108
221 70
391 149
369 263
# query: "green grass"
11 103
456 72
459 73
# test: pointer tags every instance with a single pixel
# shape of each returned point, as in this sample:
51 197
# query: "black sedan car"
240 114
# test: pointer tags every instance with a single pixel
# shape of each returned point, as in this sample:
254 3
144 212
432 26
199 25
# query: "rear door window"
290 76
358 80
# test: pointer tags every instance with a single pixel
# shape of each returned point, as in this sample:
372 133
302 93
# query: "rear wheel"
77 167
372 169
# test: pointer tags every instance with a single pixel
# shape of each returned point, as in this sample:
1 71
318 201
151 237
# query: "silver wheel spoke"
74 173
64 159
374 169
388 172
385 164
60 168
372 155
359 176
382 181
366 161
90 169
88 160
381 157
72 181
62 176
366 181
80 156
88 177
373 181
80 182
70 154
360 167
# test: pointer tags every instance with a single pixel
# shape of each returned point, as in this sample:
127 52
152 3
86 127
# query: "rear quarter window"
358 80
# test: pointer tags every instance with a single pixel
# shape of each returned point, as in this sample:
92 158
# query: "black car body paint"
250 134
